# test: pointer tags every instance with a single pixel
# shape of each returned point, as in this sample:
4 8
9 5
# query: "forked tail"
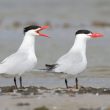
50 67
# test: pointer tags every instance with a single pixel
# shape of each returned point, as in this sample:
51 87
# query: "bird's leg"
20 79
76 81
15 82
66 83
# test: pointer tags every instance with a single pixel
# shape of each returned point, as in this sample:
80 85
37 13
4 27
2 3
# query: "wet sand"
42 90
31 98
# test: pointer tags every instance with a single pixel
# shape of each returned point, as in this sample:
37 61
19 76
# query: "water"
77 15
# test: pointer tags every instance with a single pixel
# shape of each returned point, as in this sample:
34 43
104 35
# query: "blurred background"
64 18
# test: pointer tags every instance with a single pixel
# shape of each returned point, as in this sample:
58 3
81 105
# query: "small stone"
97 94
54 107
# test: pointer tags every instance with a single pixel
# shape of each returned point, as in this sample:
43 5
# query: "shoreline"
40 90
31 98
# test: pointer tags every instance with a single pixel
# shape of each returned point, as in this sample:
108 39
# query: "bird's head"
34 30
87 34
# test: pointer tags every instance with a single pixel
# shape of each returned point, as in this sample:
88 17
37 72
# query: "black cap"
83 32
30 28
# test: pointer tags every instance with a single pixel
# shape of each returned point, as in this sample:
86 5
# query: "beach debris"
94 90
101 24
66 25
7 89
90 109
16 24
0 90
54 107
31 23
33 90
23 104
97 94
48 23
99 108
28 90
41 108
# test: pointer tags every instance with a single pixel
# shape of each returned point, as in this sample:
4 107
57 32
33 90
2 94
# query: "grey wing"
76 57
6 59
13 61
16 61
14 58
68 61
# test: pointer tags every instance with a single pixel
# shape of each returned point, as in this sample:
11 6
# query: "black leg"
66 83
20 79
76 81
15 82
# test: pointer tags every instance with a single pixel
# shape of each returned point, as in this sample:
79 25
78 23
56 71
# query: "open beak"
95 35
42 28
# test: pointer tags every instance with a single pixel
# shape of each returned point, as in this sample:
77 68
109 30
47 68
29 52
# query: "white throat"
79 44
28 44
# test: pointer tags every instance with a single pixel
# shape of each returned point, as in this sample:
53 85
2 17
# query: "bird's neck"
28 44
79 45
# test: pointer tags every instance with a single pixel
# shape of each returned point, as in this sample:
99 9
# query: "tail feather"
50 67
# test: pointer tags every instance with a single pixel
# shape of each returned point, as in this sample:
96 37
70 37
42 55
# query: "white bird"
74 61
24 59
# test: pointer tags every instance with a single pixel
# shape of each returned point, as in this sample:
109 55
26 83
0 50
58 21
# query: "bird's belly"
72 69
75 70
21 68
27 67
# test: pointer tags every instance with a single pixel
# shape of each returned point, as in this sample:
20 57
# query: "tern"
24 59
74 61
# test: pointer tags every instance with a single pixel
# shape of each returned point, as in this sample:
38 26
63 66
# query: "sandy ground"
55 102
54 99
